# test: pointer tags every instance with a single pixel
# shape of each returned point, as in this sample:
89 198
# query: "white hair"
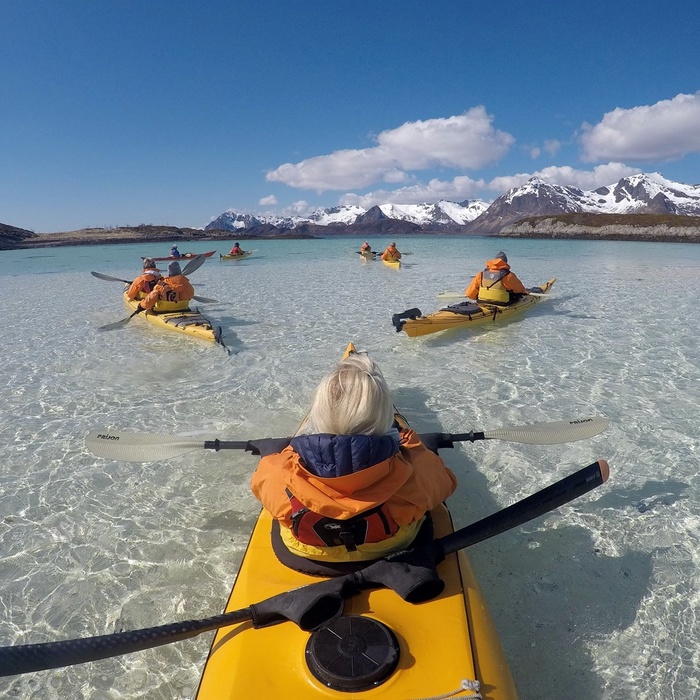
353 399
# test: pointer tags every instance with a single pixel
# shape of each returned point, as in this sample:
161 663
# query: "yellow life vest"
491 289
164 306
364 552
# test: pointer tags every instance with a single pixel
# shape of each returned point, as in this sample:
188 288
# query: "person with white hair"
146 281
496 284
351 486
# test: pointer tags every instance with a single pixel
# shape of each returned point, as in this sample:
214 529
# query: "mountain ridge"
643 193
535 200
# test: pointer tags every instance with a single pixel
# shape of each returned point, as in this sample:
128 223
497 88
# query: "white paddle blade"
139 447
451 295
551 433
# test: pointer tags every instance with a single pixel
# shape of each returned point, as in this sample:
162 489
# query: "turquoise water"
597 600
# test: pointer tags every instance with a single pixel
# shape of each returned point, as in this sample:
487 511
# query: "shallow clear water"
597 600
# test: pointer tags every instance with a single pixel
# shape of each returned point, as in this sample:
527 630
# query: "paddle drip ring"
352 653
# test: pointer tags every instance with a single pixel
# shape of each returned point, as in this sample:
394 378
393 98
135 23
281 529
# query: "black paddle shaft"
539 503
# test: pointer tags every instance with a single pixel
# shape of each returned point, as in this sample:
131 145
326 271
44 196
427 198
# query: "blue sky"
116 113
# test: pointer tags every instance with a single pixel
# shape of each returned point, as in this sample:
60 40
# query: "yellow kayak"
465 314
395 264
381 647
189 321
245 254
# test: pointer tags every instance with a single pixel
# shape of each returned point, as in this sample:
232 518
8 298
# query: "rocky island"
666 228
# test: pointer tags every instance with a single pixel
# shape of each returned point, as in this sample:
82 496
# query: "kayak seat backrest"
537 290
466 308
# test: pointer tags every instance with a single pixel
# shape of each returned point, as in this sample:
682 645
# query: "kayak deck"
444 642
394 264
464 315
189 321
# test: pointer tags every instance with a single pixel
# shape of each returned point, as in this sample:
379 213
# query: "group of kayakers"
352 485
390 254
158 293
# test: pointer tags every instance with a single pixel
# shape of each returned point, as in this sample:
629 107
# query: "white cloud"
461 187
535 152
552 146
465 141
268 201
667 130
567 176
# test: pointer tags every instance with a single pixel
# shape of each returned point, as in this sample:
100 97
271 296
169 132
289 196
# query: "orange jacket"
391 253
143 284
236 250
509 281
177 288
411 482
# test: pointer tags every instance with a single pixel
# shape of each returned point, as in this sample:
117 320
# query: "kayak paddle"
99 275
152 447
309 606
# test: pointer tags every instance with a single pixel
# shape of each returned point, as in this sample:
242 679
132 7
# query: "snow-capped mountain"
439 214
638 194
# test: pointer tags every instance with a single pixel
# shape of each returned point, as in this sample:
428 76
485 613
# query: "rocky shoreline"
12 238
658 228
664 228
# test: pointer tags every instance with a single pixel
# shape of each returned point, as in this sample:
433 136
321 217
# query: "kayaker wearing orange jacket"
391 253
146 281
236 250
496 284
171 293
350 487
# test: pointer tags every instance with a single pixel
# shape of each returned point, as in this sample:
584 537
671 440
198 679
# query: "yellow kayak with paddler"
188 321
465 314
381 647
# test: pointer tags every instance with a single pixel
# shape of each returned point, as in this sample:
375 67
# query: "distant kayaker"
171 293
496 284
145 282
174 252
365 248
391 253
236 250
350 486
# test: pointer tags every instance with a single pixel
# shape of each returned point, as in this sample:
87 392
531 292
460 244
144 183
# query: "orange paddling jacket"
391 253
390 480
170 294
496 284
143 285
